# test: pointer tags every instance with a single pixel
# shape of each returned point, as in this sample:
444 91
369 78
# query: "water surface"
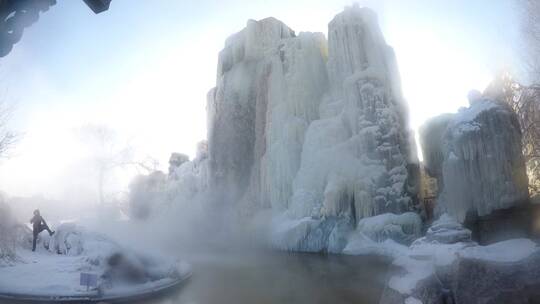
261 277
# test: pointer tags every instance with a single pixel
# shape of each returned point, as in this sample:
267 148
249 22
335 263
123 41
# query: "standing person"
39 225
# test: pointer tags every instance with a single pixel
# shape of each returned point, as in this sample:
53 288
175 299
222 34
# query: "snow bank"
505 251
54 269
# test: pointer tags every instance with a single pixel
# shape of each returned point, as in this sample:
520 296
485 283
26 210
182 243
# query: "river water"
261 277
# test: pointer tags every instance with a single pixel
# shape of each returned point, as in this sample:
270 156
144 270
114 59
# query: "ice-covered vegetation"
8 235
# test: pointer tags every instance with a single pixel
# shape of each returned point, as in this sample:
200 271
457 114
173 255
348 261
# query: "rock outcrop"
269 86
476 157
317 133
505 272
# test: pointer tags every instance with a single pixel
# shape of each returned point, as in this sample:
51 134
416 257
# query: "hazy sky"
144 68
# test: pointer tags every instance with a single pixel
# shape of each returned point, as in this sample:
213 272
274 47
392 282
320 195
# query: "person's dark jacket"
36 221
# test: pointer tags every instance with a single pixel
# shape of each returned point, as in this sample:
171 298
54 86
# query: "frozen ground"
53 271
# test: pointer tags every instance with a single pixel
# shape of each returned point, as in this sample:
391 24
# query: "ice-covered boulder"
476 156
190 178
446 230
310 234
402 228
175 161
504 272
386 234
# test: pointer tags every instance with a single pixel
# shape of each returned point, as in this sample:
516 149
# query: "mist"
285 152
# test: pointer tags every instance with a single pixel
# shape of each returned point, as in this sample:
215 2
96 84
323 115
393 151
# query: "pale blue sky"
144 68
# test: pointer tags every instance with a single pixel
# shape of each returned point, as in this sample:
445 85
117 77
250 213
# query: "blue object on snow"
88 279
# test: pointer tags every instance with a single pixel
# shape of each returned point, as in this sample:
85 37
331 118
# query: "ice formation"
269 86
148 194
386 234
476 157
317 133
190 178
464 272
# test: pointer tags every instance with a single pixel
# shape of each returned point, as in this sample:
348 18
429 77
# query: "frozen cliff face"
269 87
476 155
317 133
356 159
432 137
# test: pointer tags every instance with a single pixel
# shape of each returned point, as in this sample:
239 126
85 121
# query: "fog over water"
102 102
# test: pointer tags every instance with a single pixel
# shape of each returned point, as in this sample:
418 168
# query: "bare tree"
106 152
110 153
531 34
525 101
8 138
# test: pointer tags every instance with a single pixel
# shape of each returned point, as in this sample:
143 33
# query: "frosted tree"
531 34
525 101
7 243
528 104
8 138
8 227
108 152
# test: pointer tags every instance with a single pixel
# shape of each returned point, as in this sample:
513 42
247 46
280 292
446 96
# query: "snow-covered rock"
463 272
176 160
476 157
190 178
402 228
446 230
317 133
386 234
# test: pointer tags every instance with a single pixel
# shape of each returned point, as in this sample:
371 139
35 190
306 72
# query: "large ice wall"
476 156
237 107
356 159
269 87
316 132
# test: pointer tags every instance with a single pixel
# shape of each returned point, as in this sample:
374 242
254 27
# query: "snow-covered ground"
54 269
